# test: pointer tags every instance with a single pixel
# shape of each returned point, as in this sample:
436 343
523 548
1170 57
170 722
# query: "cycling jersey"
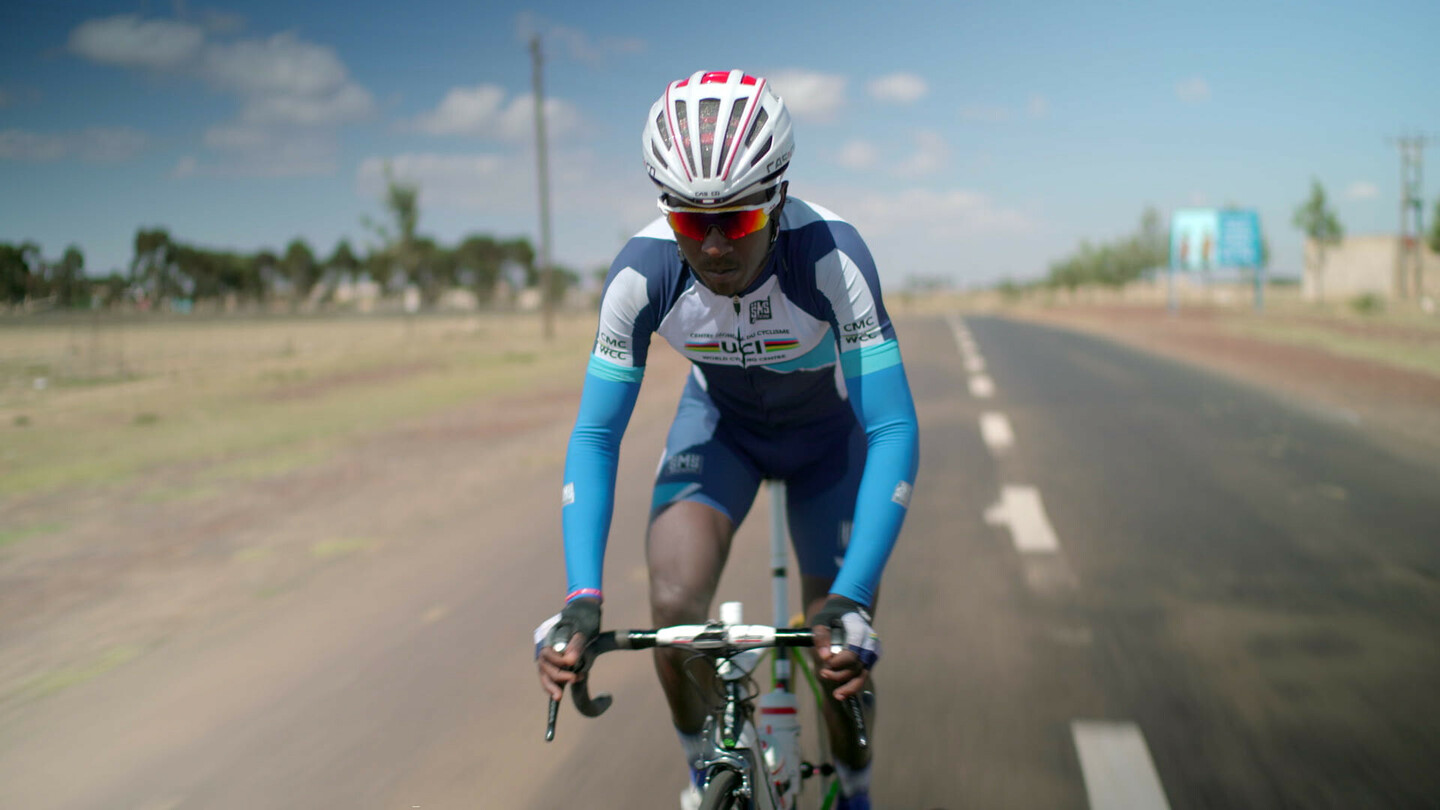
806 351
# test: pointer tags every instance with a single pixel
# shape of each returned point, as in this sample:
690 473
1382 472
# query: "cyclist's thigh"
820 503
704 487
703 462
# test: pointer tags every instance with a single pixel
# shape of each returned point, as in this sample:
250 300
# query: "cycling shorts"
720 463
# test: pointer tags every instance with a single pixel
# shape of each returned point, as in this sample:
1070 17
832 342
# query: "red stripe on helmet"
744 128
675 133
747 79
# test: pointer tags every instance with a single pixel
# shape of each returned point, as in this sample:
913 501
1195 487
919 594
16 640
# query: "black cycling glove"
578 616
849 624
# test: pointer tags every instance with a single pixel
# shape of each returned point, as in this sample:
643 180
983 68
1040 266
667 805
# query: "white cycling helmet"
716 137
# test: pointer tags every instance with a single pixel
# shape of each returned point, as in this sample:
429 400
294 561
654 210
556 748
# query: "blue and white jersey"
773 355
809 341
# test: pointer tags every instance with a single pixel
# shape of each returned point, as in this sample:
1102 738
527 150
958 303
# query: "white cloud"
481 111
1362 190
281 64
286 80
187 166
810 95
935 214
1039 106
128 41
1193 90
471 181
292 92
573 42
858 154
96 145
898 88
248 150
931 154
982 114
350 102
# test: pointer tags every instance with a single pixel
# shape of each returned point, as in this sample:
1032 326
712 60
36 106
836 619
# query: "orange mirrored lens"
732 224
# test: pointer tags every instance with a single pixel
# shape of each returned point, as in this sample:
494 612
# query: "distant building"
1366 264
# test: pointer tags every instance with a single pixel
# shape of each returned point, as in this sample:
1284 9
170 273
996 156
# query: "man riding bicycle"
796 376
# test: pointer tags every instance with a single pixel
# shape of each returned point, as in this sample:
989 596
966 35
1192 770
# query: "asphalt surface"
1247 585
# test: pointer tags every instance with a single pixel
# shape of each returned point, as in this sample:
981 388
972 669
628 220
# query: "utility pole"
1410 252
547 307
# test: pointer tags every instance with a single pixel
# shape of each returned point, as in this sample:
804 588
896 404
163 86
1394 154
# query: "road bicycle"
748 765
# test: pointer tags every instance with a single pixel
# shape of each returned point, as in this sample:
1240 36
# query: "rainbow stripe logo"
712 346
781 345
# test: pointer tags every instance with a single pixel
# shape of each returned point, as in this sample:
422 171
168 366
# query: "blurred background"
290 345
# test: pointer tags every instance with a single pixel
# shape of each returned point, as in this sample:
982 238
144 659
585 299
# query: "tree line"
164 268
1118 262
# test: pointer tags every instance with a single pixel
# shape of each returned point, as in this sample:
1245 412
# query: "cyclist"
796 375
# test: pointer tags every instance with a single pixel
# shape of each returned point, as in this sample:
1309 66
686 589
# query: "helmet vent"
709 117
764 150
736 113
663 130
682 123
760 120
655 150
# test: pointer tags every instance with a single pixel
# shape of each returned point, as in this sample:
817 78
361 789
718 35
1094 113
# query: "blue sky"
970 141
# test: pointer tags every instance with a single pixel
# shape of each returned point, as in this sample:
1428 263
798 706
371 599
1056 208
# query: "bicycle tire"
720 793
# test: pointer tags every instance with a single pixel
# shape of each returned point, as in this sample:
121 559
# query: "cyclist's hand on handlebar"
846 624
569 631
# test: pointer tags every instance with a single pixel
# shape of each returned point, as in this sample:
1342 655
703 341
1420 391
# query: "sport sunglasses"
734 223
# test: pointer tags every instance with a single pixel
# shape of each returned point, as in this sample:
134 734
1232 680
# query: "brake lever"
857 714
579 691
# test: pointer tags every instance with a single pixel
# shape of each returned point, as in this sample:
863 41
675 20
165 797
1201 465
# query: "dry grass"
94 402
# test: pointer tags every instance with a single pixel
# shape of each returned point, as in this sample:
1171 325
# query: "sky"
969 142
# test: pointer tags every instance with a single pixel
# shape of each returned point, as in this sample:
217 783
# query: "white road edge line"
1119 773
1020 509
995 429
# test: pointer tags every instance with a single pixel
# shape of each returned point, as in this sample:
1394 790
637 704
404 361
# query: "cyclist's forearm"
589 491
881 399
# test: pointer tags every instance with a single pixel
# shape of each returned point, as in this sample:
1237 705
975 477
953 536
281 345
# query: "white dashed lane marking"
995 429
981 386
1021 510
1116 764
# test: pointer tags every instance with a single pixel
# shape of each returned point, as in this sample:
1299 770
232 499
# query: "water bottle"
779 727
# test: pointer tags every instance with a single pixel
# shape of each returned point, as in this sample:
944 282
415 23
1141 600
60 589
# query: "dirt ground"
122 572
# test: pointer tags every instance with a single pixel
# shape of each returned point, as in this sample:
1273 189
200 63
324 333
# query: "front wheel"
720 793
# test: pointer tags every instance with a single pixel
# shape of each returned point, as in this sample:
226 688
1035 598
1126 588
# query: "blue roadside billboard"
1211 238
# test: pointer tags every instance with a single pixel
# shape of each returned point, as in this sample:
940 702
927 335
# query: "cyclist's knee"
676 602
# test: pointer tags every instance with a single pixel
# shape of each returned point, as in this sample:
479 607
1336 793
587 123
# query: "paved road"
1166 589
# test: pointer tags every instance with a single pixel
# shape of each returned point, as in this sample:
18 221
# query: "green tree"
477 262
300 267
342 259
402 204
154 267
1434 237
67 278
1318 222
19 267
1117 263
